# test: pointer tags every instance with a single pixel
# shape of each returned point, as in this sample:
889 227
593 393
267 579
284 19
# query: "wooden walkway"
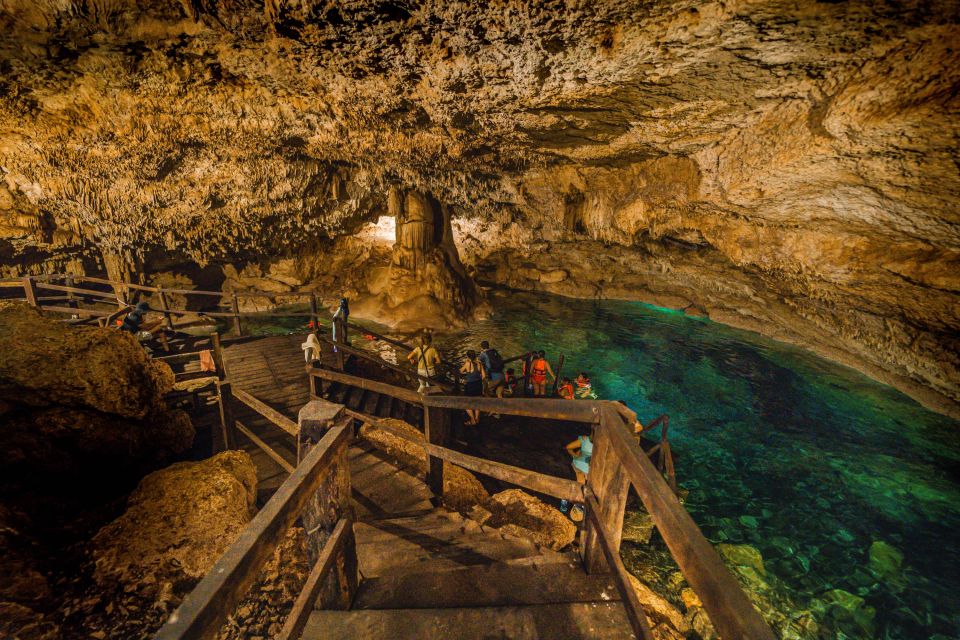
427 572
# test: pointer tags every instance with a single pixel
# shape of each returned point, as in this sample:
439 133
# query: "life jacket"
566 391
539 367
583 383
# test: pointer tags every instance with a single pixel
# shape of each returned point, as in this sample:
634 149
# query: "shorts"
495 380
474 388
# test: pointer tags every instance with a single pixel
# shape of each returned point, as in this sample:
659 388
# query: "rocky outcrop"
47 364
177 523
82 403
785 166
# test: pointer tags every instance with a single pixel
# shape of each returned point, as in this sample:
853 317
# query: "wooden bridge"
386 561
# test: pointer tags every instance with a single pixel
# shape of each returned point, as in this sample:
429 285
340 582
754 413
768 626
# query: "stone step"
534 582
570 621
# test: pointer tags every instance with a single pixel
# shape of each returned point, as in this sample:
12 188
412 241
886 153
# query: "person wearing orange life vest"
565 390
584 388
539 369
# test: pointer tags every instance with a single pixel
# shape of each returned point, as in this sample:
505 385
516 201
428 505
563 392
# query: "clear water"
807 461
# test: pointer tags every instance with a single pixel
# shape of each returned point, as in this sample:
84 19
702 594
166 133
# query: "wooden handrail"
360 353
548 408
267 412
724 600
368 385
263 446
533 480
303 605
621 577
205 609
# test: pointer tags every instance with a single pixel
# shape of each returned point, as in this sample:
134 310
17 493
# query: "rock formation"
785 166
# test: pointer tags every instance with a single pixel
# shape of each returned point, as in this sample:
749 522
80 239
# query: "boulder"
18 622
518 513
885 560
86 367
178 521
742 555
659 611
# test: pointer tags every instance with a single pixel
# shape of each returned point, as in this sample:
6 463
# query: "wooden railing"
123 292
317 493
617 463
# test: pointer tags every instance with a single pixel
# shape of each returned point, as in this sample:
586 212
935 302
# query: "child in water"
584 388
565 390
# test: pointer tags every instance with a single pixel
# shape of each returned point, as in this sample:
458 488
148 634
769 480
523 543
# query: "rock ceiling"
785 165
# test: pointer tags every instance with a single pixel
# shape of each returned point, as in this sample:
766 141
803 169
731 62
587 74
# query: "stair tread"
573 621
495 585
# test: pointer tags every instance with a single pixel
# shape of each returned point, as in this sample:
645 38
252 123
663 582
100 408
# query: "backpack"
494 360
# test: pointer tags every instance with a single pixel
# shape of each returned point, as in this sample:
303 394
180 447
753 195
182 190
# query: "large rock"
45 363
665 620
518 513
177 523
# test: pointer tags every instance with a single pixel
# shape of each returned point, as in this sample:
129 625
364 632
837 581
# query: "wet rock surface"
788 166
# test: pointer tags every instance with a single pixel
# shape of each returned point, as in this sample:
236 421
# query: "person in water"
565 390
426 358
474 375
581 450
584 388
539 369
492 363
342 313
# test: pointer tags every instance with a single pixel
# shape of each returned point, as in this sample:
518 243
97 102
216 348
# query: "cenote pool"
809 462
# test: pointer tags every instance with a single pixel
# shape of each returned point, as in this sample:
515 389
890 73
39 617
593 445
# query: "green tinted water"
807 461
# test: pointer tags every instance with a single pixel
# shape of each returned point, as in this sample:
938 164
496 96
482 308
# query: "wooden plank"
369 385
206 608
303 606
165 308
635 613
378 336
410 373
436 433
611 486
267 412
573 410
227 419
91 293
725 602
533 480
82 312
30 291
272 453
235 308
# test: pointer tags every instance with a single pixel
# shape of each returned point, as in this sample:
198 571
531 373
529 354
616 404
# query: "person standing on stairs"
492 363
473 383
340 317
539 369
426 358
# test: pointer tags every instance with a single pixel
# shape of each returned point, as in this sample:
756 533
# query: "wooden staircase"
374 404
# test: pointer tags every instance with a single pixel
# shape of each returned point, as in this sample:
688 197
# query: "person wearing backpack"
492 363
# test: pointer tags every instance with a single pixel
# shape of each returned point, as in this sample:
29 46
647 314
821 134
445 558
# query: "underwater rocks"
885 561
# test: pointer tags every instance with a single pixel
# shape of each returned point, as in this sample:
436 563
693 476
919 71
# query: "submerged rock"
885 561
660 613
743 555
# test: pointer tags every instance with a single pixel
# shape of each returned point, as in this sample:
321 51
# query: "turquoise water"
807 461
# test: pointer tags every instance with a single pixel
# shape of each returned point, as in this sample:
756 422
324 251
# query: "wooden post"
437 432
71 298
314 314
30 291
218 356
228 427
330 503
610 484
165 308
340 340
235 305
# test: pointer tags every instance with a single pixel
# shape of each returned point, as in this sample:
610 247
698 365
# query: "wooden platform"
427 572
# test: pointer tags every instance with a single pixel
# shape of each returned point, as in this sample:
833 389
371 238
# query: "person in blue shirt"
492 363
581 450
